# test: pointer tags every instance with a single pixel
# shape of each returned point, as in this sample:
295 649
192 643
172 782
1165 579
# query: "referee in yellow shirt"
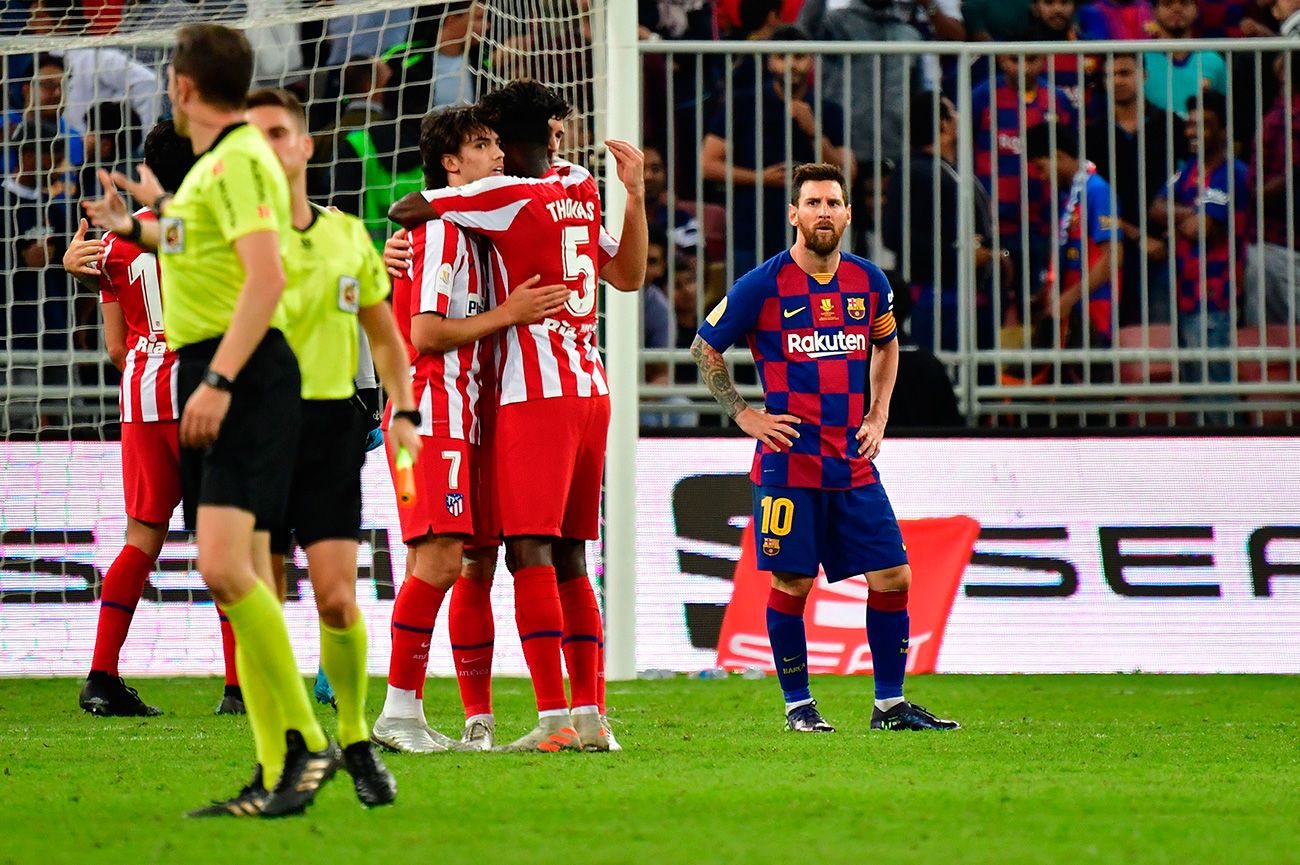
221 241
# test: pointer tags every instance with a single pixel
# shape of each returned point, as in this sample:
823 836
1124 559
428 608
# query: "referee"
221 240
338 278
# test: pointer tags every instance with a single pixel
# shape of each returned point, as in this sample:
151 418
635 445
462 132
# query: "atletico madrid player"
808 315
127 279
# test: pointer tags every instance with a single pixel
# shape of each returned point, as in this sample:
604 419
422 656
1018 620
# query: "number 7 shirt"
551 227
129 276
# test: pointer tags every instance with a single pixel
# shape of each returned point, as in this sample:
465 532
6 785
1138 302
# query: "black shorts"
251 462
325 495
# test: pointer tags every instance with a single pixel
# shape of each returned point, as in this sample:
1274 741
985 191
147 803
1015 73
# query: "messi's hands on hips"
405 435
774 430
870 435
204 412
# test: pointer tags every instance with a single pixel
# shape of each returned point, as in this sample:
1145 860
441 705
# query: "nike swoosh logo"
788 660
791 313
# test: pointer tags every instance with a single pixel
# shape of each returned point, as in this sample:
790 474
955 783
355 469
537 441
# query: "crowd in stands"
1162 165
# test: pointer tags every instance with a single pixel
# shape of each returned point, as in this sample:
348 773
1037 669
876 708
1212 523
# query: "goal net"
83 81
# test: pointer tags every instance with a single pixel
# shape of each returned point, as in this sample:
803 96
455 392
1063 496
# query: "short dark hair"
813 171
753 14
118 123
358 75
218 60
1212 101
1038 140
789 33
168 155
43 60
33 135
521 111
921 123
275 97
658 236
443 133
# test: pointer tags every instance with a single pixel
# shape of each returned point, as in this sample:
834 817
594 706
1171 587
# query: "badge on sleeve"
349 294
172 237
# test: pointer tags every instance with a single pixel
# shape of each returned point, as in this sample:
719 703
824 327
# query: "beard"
820 243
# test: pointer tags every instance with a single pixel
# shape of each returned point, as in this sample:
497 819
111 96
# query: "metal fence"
1178 225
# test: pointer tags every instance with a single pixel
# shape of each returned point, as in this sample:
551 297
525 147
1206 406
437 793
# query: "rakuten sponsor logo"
823 344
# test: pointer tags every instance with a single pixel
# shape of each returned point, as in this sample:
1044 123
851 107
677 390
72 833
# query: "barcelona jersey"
810 336
1221 197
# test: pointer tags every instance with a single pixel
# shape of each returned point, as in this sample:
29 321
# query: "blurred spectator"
364 80
1116 20
1287 12
1224 19
1136 147
368 34
1205 208
1085 234
927 242
997 20
752 19
42 96
1018 98
112 139
877 21
656 196
93 75
446 30
755 159
1054 22
657 317
36 300
1172 80
277 49
1274 259
676 19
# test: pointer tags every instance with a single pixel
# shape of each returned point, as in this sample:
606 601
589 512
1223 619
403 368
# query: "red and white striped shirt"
129 277
446 276
549 226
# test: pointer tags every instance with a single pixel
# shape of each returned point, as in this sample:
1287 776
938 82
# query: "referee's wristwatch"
413 415
214 379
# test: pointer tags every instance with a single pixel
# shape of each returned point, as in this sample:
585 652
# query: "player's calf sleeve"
118 596
473 634
600 672
263 717
785 631
581 642
887 634
228 650
262 637
541 622
343 658
414 614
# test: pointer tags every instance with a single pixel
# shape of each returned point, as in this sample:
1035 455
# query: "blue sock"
789 644
887 634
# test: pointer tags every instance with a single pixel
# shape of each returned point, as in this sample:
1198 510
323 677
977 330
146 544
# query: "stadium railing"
1017 361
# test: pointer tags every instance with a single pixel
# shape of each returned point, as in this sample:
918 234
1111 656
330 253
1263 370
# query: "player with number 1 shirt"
553 400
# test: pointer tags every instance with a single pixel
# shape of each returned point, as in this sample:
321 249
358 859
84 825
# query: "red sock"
469 619
228 650
414 613
581 640
541 623
600 673
120 592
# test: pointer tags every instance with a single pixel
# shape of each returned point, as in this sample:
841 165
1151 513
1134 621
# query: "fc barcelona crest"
455 504
856 307
771 546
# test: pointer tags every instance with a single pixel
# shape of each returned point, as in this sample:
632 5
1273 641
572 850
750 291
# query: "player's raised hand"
870 435
530 303
82 257
146 191
630 162
109 211
774 430
398 254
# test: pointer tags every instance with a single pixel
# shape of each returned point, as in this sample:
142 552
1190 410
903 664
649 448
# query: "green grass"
1113 769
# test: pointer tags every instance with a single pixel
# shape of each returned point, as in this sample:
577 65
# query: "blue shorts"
847 532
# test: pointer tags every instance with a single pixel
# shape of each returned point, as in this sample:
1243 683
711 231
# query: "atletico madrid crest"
857 308
455 504
771 546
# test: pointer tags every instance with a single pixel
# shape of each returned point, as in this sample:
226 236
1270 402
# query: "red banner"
939 550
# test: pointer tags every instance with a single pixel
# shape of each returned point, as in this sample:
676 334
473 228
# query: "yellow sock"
261 634
343 657
263 716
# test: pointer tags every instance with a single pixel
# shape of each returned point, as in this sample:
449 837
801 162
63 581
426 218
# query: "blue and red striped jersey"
996 115
1107 19
1225 207
1092 199
809 335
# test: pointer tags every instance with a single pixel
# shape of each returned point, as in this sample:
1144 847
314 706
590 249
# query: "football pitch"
1048 769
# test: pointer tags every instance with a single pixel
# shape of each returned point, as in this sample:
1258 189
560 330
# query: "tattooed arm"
775 431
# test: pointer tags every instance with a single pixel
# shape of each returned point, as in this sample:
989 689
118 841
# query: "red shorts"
151 470
446 490
548 462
